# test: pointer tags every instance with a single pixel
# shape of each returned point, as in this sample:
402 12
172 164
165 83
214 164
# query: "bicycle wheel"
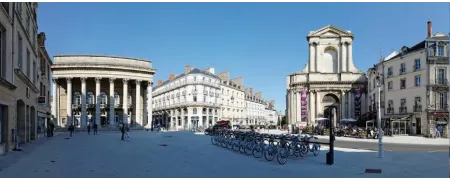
282 156
291 149
257 151
236 146
269 153
224 143
316 149
249 149
303 151
242 148
230 144
213 140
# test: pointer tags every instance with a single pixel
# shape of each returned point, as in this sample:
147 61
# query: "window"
195 98
76 98
28 24
442 101
195 78
417 81
402 68
389 72
103 98
417 64
194 111
440 50
441 76
90 98
20 57
28 63
417 101
402 83
403 102
390 86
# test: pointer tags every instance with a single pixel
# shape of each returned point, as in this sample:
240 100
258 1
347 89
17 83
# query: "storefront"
398 124
42 123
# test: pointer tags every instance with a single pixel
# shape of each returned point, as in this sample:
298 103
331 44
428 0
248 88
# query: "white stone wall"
233 103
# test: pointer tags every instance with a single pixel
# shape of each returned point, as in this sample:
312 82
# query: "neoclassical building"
329 78
233 99
106 90
188 100
255 107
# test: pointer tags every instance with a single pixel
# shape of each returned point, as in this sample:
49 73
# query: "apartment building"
23 98
255 107
414 87
191 99
232 99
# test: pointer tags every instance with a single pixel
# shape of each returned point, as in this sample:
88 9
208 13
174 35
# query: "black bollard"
330 154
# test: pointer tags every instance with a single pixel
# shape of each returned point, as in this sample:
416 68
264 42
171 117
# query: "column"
344 56
97 100
58 106
112 102
317 105
311 57
316 51
310 108
349 56
343 105
299 106
125 101
349 104
54 98
149 104
190 115
138 117
69 101
83 102
294 100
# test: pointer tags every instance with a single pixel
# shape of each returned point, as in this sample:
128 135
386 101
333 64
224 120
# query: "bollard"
330 154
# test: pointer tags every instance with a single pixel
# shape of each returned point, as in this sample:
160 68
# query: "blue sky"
262 42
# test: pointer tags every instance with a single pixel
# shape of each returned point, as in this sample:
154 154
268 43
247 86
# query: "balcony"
417 108
103 106
437 60
76 106
390 110
402 110
204 112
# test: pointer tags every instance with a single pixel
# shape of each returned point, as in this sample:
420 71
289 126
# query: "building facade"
102 90
415 87
232 99
20 74
270 114
329 78
255 108
189 100
44 76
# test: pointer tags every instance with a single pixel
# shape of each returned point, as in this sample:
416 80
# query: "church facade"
329 78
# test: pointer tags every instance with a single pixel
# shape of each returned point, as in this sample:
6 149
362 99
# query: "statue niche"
329 62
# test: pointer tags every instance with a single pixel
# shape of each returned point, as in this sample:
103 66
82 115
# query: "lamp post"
380 132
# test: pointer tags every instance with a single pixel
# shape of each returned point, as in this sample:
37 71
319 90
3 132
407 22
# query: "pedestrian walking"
127 133
89 128
52 129
71 129
122 130
95 128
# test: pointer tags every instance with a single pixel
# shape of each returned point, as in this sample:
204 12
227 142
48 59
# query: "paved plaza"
192 155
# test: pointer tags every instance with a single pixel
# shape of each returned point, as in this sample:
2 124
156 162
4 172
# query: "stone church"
329 78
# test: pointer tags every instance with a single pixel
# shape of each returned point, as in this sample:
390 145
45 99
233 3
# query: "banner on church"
357 103
304 103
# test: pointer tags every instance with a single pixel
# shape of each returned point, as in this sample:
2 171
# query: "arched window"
330 60
90 98
116 98
130 99
76 98
103 98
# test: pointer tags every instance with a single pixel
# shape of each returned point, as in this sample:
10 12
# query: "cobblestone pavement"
190 155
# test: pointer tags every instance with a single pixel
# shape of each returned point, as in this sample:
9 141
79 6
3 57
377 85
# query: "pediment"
330 31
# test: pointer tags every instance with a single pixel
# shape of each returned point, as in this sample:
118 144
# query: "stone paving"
191 155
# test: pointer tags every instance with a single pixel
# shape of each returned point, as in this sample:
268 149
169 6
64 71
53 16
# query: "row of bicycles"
267 145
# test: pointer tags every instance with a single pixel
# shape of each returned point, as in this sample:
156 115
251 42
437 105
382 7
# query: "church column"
149 105
316 112
350 56
316 52
54 85
344 56
112 114
349 104
295 105
312 65
343 116
83 103
289 106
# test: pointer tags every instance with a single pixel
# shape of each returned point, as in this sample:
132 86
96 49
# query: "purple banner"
357 103
304 101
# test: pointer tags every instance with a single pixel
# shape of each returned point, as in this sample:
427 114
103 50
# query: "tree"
283 121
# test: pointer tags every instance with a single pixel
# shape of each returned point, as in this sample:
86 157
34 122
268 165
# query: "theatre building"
106 90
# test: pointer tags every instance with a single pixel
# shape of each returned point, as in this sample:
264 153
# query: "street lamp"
380 132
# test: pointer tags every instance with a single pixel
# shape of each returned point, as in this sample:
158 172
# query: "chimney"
187 69
430 26
159 82
171 76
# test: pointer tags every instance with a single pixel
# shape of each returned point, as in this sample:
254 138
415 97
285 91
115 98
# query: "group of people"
94 127
124 129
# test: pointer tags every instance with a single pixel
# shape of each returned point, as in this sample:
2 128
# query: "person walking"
71 129
127 133
52 129
95 128
89 128
122 130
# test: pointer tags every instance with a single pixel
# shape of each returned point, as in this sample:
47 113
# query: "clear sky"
262 42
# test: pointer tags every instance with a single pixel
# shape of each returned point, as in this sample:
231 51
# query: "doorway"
418 126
